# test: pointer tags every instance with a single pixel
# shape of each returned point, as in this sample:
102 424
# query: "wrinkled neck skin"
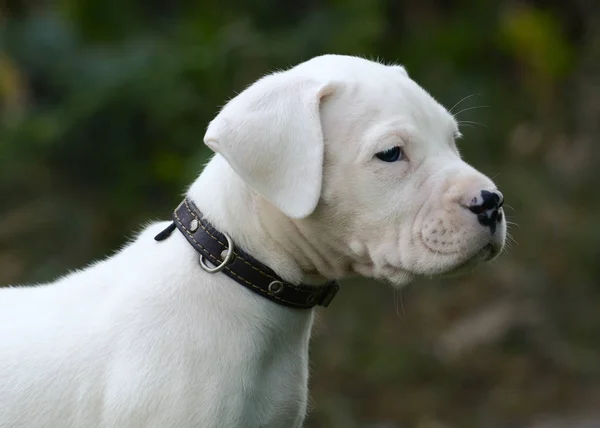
298 250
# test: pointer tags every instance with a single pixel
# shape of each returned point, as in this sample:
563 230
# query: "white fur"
147 339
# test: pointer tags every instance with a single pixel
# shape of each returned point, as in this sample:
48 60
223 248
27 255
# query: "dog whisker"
401 302
461 101
467 109
511 239
398 303
470 122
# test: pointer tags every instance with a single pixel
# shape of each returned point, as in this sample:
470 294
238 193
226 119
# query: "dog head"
359 155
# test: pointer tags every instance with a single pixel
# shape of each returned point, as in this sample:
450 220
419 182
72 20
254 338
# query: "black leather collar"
218 249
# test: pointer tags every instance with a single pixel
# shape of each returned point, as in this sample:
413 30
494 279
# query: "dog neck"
290 247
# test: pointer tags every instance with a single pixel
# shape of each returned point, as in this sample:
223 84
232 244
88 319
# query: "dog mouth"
485 254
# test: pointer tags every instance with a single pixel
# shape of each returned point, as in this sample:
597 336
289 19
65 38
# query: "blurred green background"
103 107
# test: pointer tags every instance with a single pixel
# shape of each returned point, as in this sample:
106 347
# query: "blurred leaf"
537 39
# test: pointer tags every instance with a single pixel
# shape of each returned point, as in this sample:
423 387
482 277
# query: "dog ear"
271 136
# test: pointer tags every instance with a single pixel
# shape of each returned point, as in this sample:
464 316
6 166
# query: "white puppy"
338 166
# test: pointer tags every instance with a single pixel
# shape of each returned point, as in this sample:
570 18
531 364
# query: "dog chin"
400 278
486 254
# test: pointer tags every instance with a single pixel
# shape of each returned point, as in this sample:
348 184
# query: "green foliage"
103 107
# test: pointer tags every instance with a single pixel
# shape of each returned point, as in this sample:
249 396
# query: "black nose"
487 207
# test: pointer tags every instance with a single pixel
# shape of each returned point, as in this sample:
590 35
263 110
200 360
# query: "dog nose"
487 207
489 200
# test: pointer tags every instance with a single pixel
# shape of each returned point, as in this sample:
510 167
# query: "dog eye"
391 155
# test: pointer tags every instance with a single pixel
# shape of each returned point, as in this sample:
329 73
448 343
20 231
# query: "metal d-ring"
225 261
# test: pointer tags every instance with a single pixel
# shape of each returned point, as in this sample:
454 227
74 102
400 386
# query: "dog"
336 167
